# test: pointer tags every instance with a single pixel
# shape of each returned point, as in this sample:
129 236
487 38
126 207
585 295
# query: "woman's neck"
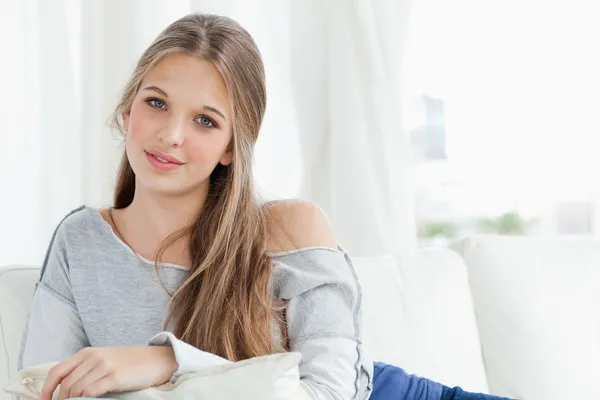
155 217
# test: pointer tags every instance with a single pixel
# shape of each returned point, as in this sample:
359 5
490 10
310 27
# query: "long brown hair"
225 306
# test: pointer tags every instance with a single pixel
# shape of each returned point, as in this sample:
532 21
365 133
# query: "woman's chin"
163 186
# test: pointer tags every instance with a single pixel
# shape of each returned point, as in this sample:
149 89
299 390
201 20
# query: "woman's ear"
227 158
125 117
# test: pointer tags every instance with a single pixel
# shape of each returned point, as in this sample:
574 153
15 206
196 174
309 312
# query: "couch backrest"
538 309
417 313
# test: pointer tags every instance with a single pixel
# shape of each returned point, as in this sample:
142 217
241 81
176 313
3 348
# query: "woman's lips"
162 163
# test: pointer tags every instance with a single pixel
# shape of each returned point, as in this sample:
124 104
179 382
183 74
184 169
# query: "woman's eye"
156 103
205 121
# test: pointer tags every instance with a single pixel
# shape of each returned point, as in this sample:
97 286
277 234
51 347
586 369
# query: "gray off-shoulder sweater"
95 291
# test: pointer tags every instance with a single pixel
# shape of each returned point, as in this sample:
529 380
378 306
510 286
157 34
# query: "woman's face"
180 126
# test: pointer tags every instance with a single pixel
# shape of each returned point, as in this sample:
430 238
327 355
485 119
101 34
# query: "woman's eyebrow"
215 111
156 89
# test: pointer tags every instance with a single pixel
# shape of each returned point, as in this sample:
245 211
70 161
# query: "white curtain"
39 120
332 132
346 80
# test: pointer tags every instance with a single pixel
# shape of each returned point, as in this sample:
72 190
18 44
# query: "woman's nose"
172 134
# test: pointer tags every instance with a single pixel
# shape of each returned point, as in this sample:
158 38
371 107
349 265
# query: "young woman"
187 249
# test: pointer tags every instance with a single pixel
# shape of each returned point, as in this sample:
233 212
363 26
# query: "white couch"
511 316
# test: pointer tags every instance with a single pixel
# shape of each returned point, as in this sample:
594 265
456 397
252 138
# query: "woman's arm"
54 330
55 333
323 313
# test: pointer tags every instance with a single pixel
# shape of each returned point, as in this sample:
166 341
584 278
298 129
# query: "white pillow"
271 377
538 309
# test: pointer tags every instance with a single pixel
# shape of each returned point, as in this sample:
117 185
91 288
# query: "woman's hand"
95 371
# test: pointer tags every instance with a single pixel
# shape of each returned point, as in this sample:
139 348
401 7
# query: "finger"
100 387
67 382
96 373
73 379
58 373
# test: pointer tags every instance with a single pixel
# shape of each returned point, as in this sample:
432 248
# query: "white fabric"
537 303
272 377
16 292
39 123
346 78
189 358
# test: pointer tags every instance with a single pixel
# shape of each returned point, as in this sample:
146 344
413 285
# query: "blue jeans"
393 383
457 393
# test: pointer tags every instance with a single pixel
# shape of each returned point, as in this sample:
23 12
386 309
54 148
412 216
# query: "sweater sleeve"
188 357
54 330
324 321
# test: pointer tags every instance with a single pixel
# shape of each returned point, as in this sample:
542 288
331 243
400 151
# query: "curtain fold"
347 70
38 128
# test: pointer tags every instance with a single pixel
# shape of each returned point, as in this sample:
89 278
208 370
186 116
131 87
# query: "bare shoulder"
108 214
105 214
296 224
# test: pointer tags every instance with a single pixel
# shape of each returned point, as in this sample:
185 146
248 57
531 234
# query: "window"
502 112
